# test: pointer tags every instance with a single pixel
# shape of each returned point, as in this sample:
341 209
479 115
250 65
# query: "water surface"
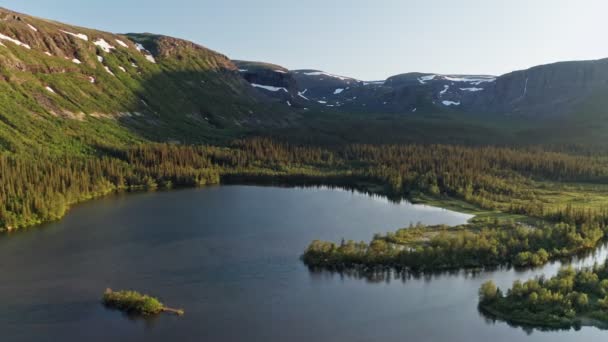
229 256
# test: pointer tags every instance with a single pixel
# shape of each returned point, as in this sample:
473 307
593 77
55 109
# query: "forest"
569 299
534 205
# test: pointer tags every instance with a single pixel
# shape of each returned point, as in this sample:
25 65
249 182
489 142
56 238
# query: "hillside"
60 80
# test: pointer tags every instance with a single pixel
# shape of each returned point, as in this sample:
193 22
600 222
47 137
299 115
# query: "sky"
365 39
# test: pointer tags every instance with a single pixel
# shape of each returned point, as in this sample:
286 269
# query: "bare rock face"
547 90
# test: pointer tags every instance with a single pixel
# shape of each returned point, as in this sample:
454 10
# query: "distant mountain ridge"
543 91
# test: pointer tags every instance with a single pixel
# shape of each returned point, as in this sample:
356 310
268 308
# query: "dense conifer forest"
37 187
561 192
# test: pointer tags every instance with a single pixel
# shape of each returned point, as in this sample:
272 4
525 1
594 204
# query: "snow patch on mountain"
445 90
269 88
450 103
51 90
474 80
472 89
76 60
32 27
121 43
14 41
146 53
77 35
338 91
108 70
301 94
424 79
322 73
105 46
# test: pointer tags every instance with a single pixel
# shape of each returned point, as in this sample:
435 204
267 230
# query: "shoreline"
491 313
367 189
565 324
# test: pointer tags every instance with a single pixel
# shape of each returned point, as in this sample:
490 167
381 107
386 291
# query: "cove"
229 255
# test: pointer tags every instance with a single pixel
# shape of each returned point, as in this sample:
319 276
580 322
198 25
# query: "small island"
483 242
571 299
133 302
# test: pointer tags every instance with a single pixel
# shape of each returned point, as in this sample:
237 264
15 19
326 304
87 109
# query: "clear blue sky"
367 39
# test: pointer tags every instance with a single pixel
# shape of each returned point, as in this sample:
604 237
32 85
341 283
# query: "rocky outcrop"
547 90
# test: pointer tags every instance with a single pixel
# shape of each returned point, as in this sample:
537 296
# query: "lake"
229 255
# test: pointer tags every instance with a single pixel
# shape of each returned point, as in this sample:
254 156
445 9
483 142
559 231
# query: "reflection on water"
377 275
388 275
528 329
147 321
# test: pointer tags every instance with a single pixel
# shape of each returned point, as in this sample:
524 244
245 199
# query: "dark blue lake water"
229 256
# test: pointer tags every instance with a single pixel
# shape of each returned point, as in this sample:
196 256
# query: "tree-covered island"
572 298
473 245
133 302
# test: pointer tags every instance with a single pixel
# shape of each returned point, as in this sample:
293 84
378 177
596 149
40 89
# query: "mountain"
64 87
153 85
552 90
547 90
404 93
271 79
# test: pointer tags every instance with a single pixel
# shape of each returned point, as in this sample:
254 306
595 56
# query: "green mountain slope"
59 80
